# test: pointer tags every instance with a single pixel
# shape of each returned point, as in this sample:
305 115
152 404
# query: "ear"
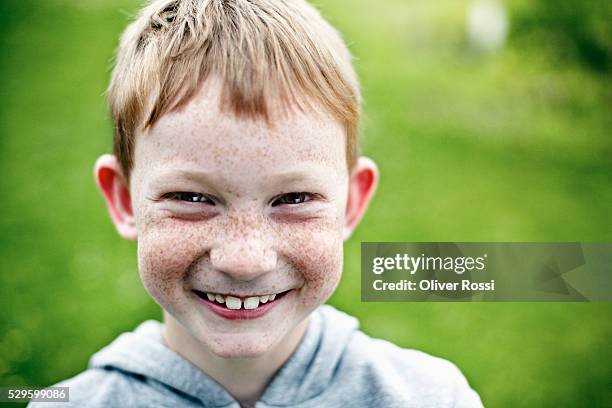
116 192
362 184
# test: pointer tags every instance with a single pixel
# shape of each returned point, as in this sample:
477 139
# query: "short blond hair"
263 50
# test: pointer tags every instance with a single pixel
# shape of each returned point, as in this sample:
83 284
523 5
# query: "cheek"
316 252
166 249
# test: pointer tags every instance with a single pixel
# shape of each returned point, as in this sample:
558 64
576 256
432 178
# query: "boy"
236 169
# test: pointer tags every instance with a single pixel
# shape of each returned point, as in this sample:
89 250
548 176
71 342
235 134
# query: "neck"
244 378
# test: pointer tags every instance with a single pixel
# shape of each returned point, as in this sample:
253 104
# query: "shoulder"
410 375
98 387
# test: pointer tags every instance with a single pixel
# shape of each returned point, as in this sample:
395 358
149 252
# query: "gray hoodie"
335 366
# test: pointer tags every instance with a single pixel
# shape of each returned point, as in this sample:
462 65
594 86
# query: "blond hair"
263 50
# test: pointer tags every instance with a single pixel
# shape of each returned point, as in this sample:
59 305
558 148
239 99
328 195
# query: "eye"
189 197
292 199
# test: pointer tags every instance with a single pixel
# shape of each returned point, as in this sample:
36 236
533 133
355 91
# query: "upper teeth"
232 302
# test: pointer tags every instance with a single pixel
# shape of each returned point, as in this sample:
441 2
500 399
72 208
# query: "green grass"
507 147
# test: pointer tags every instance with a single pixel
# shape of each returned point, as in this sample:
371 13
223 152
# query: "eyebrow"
190 175
198 176
298 175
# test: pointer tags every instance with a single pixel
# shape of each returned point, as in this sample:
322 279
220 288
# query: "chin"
245 345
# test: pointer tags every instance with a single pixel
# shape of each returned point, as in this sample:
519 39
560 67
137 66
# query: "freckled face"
231 206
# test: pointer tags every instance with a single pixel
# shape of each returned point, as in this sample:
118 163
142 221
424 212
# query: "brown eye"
189 197
292 199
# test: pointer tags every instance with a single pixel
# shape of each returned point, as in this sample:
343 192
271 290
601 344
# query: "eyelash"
176 196
303 197
310 197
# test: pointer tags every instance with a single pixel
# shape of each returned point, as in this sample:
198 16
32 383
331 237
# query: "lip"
244 314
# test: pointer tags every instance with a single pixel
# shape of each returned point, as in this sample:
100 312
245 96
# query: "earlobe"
116 193
362 185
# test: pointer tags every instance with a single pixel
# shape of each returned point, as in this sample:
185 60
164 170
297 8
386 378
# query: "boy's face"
234 207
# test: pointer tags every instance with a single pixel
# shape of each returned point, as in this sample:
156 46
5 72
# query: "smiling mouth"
230 302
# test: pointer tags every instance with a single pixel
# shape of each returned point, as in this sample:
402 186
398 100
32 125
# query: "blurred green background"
475 142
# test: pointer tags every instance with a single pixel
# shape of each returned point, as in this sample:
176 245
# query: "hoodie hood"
304 375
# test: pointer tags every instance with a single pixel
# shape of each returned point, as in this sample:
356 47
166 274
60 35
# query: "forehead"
202 136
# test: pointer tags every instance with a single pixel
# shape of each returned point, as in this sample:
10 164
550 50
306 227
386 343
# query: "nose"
243 258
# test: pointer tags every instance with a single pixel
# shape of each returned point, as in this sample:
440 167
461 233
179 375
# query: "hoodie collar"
311 368
304 375
143 353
